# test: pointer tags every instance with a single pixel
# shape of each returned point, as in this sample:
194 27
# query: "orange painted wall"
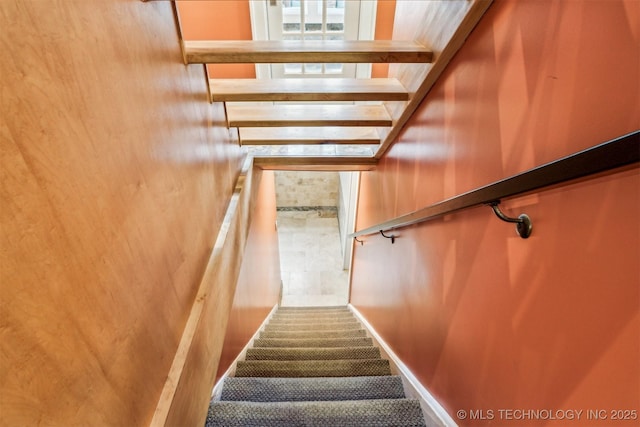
258 288
231 20
385 14
115 177
218 20
486 320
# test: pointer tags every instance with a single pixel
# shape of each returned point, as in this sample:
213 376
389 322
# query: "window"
313 20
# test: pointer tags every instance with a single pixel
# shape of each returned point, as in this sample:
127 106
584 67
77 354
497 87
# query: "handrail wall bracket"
524 226
608 156
392 237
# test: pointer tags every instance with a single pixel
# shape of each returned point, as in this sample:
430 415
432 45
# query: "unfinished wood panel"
316 163
308 135
443 27
307 115
318 51
187 389
107 213
316 89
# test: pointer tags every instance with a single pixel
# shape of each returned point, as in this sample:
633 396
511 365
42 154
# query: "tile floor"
311 259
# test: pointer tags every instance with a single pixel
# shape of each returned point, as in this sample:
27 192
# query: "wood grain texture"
316 163
443 27
313 51
316 89
307 115
107 214
308 135
186 394
259 281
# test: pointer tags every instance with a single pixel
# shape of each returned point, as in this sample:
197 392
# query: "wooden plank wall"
115 176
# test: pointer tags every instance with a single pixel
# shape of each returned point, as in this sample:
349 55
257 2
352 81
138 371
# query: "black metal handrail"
619 152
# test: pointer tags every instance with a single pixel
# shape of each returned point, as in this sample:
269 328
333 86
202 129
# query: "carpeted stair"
313 367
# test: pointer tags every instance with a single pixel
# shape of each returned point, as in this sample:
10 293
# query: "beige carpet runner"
313 367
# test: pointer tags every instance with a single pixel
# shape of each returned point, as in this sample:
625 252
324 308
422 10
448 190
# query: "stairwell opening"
315 214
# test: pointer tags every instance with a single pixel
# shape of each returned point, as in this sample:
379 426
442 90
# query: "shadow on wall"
485 319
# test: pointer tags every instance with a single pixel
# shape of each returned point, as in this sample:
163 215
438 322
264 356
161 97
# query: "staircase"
313 367
354 134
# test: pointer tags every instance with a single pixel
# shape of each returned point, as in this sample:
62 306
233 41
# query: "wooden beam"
316 89
307 115
316 163
309 51
308 135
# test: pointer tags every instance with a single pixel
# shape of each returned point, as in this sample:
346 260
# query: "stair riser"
386 412
314 334
351 342
313 368
312 389
312 311
282 312
312 353
318 327
308 319
314 308
313 319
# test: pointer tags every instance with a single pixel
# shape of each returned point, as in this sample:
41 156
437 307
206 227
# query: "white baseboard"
413 388
217 388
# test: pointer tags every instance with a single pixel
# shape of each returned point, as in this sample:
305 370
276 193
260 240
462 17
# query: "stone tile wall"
294 188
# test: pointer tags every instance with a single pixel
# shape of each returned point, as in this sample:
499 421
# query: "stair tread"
377 412
315 308
307 115
312 321
306 372
336 313
311 315
284 334
313 342
332 162
312 353
310 51
316 89
336 310
312 368
311 389
308 135
332 326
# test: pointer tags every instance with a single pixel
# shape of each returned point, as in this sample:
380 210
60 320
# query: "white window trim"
260 31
